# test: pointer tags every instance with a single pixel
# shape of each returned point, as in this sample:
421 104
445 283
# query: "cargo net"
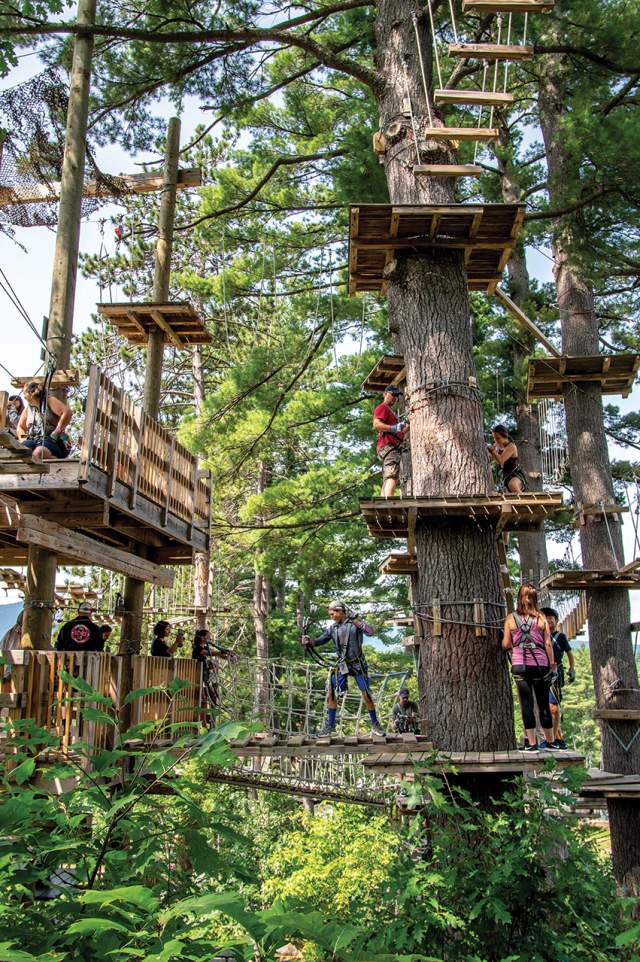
288 698
32 135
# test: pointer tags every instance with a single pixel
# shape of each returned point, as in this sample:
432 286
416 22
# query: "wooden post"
131 631
41 565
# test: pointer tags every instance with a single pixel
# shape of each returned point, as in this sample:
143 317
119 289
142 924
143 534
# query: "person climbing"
44 422
15 407
560 647
504 452
527 635
81 633
391 434
404 717
346 633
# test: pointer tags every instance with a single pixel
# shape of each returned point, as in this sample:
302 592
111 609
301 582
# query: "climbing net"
553 441
32 135
288 697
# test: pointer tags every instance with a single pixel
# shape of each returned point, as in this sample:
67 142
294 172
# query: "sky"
27 262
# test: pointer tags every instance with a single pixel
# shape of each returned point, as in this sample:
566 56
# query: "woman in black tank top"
505 453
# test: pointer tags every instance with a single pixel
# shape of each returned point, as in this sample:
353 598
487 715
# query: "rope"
506 63
435 45
453 21
526 24
484 84
495 72
613 550
422 70
17 303
413 122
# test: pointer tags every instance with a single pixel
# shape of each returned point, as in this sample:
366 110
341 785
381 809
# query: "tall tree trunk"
201 559
532 545
610 646
468 704
261 597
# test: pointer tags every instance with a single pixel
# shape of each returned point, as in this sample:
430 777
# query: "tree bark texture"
613 666
463 680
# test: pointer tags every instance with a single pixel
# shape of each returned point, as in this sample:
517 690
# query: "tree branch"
587 54
571 208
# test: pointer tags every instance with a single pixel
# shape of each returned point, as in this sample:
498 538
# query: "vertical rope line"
506 63
435 44
331 310
422 70
413 121
484 84
453 21
613 550
526 24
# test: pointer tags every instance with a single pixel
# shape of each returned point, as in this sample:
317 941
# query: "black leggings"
533 683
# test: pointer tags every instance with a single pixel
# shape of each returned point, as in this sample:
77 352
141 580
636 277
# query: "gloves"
305 641
571 674
396 428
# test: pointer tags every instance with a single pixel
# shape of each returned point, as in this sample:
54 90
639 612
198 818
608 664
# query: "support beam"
511 306
41 577
86 551
145 183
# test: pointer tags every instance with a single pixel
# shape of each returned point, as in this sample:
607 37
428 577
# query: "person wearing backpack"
527 637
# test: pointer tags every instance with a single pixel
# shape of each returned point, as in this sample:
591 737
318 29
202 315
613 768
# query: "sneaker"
560 744
532 748
548 746
325 731
377 729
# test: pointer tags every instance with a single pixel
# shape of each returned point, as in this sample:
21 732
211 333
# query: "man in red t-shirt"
391 434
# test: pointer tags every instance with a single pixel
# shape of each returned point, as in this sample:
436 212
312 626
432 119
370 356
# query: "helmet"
338 606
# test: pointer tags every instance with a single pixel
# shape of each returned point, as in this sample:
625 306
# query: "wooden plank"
480 134
507 6
525 321
166 328
617 714
447 170
484 98
85 551
127 183
490 51
436 614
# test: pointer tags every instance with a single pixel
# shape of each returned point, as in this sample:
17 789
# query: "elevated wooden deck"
132 488
549 376
388 370
394 517
403 763
299 746
145 183
604 785
486 233
179 322
582 580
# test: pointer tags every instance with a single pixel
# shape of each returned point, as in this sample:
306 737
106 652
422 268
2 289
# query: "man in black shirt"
561 647
80 634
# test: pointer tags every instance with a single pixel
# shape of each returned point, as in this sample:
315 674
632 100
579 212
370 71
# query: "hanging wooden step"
615 373
507 6
481 134
473 98
447 170
490 51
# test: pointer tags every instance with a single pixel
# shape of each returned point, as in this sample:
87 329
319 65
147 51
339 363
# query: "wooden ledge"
473 98
480 763
398 563
179 321
481 134
490 51
60 379
583 580
388 370
447 170
617 714
549 376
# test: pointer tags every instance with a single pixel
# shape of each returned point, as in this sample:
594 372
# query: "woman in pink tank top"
527 636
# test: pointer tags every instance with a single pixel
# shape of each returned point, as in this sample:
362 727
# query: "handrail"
136 452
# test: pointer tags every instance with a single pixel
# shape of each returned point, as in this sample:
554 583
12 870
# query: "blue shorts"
340 682
552 699
57 448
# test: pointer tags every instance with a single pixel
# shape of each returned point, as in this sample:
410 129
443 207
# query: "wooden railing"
38 691
134 450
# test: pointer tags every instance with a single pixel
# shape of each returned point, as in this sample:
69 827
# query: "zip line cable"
17 303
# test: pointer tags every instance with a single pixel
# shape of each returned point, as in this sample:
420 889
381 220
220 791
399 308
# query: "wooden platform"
399 563
180 323
606 785
128 184
481 134
393 517
580 580
272 746
486 233
507 6
447 170
490 51
133 485
617 714
388 370
472 98
549 376
60 379
401 763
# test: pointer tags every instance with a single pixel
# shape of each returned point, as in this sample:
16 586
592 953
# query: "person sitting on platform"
15 407
347 634
527 635
391 433
505 452
81 633
160 647
44 422
560 646
404 717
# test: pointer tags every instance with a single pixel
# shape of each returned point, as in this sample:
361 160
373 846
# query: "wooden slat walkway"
399 763
270 746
